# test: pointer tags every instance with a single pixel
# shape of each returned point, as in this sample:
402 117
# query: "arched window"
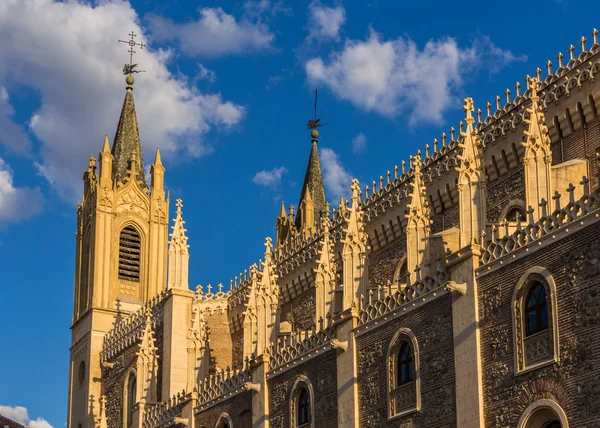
130 398
129 254
535 320
404 372
224 421
303 409
404 385
516 213
301 404
536 310
543 413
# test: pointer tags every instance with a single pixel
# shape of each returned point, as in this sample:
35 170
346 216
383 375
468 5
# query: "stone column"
467 344
347 384
177 320
260 391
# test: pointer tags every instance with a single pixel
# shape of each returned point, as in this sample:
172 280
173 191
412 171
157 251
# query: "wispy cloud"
325 22
21 415
16 203
269 178
337 179
359 143
13 136
393 77
205 74
215 33
73 62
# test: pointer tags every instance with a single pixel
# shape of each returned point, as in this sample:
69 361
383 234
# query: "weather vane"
130 68
314 123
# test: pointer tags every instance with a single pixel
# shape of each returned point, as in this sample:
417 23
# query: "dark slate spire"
313 179
127 139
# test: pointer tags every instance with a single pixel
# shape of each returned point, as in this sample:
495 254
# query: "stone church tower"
121 253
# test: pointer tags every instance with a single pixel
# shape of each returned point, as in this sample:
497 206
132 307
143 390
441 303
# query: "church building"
460 289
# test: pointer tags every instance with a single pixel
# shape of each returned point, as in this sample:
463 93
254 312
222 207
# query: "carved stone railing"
300 343
382 302
549 223
129 330
164 414
223 384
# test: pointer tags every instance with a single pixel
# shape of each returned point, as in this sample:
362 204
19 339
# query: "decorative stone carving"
492 303
537 347
499 341
586 307
588 396
277 421
374 420
575 357
372 393
369 357
279 393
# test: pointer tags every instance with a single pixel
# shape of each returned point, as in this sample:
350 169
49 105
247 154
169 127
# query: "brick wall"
432 326
501 191
573 382
383 263
113 381
322 373
238 407
220 341
302 309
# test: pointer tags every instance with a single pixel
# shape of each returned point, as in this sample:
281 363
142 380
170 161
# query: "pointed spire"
418 208
157 176
282 213
281 226
106 164
127 141
307 213
313 181
469 155
106 145
178 253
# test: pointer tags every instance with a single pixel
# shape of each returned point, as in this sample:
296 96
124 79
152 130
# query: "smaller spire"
178 252
282 213
106 145
158 158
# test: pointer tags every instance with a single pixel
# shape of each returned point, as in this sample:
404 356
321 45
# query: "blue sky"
228 90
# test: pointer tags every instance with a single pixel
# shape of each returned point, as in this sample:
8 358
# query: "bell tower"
121 254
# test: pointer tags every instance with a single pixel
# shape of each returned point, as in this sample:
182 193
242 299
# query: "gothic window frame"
402 336
301 383
542 412
126 403
224 418
533 276
140 234
402 264
512 204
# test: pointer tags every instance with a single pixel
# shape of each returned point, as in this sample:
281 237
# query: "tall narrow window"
129 254
405 365
403 381
303 414
130 399
536 310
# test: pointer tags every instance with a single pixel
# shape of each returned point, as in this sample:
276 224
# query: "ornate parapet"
300 346
166 413
382 303
563 218
130 330
224 384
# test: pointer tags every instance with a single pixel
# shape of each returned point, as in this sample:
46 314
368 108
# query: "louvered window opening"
129 254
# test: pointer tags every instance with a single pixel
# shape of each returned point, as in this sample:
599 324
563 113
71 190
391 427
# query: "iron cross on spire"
130 68
314 123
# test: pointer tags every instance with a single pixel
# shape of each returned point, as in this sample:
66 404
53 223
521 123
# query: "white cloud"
215 33
391 77
269 178
325 22
206 74
337 179
73 62
359 143
16 203
19 414
11 135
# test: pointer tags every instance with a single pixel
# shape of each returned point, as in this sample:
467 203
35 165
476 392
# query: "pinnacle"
282 213
106 145
158 158
313 182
